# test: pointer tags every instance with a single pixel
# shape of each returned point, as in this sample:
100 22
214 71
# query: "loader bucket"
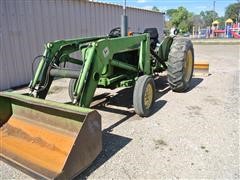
47 139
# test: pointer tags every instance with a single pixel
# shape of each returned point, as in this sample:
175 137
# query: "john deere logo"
105 51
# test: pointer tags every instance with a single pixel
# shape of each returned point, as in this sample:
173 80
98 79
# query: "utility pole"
214 5
214 8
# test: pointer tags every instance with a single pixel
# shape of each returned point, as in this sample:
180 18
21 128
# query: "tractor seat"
153 32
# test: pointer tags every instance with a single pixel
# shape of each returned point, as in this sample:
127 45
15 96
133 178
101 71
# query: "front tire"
180 64
144 95
71 87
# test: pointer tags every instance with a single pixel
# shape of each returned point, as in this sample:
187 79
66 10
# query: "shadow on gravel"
123 98
157 106
106 102
194 83
162 87
111 145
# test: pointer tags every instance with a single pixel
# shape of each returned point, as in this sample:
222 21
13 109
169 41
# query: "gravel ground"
220 41
189 135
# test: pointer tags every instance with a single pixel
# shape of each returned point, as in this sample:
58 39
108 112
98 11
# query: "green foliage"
170 12
221 21
208 17
168 25
155 9
184 20
232 11
181 19
180 15
183 26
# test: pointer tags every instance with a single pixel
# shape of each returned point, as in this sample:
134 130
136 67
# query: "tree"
198 21
221 21
181 19
232 11
154 8
209 17
170 12
179 15
167 25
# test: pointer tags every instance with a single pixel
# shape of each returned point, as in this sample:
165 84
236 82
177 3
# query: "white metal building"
25 25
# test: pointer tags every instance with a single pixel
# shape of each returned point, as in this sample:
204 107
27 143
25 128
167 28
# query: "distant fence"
25 25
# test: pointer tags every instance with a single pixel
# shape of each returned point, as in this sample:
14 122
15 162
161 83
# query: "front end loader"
58 141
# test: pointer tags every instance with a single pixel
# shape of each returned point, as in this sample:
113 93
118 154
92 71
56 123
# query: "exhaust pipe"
124 21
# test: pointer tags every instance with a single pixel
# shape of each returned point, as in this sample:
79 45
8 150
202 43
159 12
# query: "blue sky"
195 6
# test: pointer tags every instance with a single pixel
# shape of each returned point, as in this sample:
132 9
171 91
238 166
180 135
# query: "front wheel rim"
148 96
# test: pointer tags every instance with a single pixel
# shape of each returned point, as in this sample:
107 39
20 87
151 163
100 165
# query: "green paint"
106 62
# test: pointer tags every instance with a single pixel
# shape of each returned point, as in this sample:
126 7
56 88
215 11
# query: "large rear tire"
180 64
144 95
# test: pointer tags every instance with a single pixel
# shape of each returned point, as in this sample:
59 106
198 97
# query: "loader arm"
99 54
53 51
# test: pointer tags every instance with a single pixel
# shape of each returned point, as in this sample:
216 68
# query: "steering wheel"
116 32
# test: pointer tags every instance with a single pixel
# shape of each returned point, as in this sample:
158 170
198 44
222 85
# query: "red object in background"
219 31
236 35
235 31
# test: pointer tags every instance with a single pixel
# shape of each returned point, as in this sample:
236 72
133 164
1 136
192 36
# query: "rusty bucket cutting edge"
46 139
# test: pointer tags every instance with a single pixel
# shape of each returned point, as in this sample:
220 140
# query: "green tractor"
114 61
61 140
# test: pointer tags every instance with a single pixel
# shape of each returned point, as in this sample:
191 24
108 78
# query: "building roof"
132 7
